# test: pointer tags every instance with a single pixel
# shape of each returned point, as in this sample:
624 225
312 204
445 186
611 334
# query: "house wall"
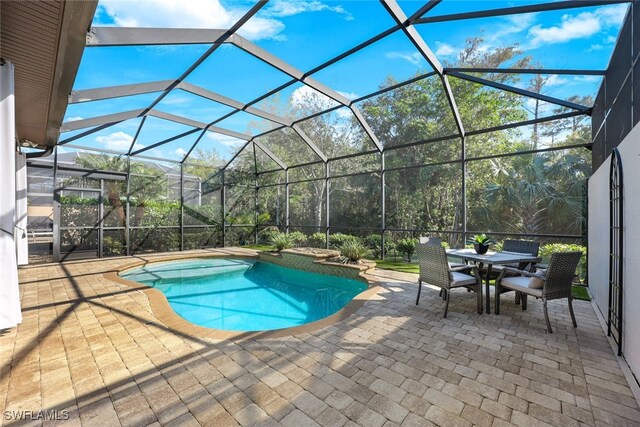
599 243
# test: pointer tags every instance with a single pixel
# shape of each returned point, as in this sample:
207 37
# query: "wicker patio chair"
437 241
430 240
516 246
435 270
555 284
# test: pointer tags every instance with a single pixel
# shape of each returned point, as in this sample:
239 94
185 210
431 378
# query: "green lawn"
402 266
579 292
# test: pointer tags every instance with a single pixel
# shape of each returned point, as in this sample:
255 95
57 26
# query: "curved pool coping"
162 309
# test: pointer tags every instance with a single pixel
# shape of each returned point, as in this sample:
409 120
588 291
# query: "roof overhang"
45 41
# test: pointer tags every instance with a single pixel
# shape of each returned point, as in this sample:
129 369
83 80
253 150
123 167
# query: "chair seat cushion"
536 283
461 279
521 283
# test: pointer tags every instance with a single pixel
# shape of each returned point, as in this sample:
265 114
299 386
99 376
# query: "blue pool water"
246 295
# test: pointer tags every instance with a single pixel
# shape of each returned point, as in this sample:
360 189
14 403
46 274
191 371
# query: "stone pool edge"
164 313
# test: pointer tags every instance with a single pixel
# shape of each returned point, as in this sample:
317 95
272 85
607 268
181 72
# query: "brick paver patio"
94 348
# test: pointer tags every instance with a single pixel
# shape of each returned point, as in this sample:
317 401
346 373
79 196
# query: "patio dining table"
490 259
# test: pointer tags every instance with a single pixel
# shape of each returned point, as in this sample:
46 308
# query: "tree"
431 197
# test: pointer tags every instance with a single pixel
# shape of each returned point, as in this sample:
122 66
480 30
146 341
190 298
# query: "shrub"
547 250
353 250
374 242
113 245
298 238
266 233
407 247
281 241
317 240
339 239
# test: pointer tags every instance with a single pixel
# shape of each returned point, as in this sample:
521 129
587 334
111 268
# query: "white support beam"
366 127
177 119
128 36
198 125
305 138
207 94
213 96
227 132
117 91
100 120
270 154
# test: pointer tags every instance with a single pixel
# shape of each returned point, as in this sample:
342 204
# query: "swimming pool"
244 294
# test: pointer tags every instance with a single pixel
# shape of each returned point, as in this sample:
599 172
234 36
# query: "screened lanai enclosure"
216 137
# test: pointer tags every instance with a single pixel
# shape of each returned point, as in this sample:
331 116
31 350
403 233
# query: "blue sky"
305 34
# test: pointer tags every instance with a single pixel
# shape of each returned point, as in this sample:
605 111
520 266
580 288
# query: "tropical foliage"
518 192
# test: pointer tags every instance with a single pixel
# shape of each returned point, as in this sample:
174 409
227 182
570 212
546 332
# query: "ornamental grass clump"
353 250
281 241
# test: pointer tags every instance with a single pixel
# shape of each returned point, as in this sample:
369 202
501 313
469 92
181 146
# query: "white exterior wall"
599 244
10 314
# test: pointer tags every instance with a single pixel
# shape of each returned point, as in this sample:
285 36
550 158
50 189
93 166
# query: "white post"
21 238
10 314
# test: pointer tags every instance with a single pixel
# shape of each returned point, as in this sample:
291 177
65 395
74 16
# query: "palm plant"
281 241
535 193
115 190
353 250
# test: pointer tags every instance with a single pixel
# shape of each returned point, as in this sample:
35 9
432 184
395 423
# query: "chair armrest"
520 272
463 268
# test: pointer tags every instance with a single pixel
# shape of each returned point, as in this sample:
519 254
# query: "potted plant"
481 243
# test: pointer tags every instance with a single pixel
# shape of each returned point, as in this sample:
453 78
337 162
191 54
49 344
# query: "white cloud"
118 141
445 49
305 96
74 119
349 95
579 26
227 141
210 14
188 14
282 8
344 113
594 47
511 25
181 152
414 58
612 15
589 79
556 80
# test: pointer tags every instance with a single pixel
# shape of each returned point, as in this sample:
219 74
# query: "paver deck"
92 350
